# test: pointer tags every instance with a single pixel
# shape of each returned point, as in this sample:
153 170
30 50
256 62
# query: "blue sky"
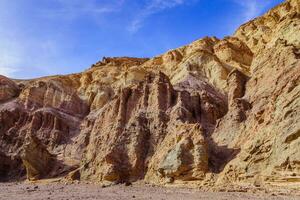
47 37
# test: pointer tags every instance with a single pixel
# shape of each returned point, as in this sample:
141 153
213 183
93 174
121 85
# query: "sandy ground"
58 191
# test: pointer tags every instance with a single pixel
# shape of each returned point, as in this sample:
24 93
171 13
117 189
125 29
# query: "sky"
49 37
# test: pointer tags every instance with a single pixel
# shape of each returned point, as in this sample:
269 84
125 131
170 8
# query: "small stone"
170 180
128 184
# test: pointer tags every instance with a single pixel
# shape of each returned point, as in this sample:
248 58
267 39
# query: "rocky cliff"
215 112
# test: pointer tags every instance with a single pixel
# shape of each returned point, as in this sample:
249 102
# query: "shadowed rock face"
8 89
36 159
215 112
10 169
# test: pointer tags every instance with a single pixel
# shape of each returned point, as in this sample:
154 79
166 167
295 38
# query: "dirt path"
56 191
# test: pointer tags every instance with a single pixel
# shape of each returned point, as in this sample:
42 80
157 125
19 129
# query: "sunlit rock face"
216 112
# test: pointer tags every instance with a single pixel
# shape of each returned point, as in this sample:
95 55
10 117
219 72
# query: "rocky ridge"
216 112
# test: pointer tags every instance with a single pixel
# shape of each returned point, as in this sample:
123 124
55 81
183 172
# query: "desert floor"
58 191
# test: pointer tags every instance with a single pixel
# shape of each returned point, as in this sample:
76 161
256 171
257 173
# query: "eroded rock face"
268 137
8 89
36 159
214 112
54 95
187 157
136 125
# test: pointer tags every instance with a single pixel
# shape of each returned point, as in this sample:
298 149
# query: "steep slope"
269 135
214 112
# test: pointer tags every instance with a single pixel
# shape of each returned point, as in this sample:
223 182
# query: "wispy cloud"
8 71
26 50
152 7
9 57
246 11
252 8
18 57
76 8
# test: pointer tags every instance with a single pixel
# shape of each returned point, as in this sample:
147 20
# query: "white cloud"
26 53
152 7
10 57
246 11
6 71
252 8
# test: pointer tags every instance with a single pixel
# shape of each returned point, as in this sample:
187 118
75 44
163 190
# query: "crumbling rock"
121 61
37 160
135 124
51 94
188 157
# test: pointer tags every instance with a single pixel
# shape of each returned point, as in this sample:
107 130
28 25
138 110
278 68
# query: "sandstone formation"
8 89
216 112
36 158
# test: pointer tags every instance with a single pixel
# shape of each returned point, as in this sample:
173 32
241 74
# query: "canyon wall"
212 113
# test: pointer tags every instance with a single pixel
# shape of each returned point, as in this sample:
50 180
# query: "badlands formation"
214 113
